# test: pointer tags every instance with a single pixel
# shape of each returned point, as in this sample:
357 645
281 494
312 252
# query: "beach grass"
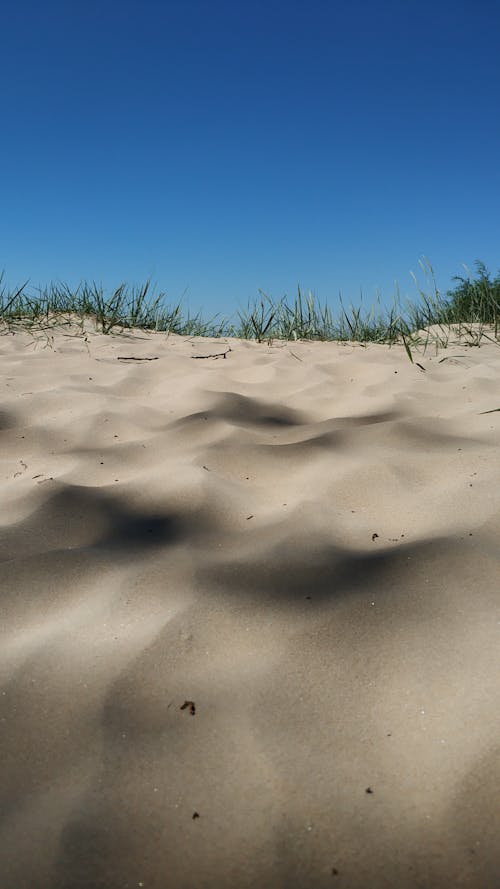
471 310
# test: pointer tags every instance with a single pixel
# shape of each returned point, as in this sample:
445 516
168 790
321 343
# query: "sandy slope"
303 540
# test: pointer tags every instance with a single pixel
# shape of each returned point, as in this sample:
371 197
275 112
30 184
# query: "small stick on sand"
214 355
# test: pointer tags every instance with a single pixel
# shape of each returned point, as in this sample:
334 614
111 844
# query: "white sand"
303 540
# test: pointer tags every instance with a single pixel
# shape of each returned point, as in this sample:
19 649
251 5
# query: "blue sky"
222 147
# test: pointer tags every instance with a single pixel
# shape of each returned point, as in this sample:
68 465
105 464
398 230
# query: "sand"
300 542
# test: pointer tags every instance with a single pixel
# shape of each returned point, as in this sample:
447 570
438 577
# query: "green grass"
472 308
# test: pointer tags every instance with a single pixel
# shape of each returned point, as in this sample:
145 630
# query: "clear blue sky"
224 147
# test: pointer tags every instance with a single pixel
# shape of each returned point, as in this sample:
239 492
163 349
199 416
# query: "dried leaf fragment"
189 705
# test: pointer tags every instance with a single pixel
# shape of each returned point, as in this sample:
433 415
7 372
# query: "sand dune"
300 539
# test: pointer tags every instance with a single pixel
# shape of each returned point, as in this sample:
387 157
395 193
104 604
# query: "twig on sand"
214 354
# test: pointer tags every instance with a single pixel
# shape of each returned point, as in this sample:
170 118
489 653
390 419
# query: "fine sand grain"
250 614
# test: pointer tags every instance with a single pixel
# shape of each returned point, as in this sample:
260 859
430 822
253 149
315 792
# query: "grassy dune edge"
470 311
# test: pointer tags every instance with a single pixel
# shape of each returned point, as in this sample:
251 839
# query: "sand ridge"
300 538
